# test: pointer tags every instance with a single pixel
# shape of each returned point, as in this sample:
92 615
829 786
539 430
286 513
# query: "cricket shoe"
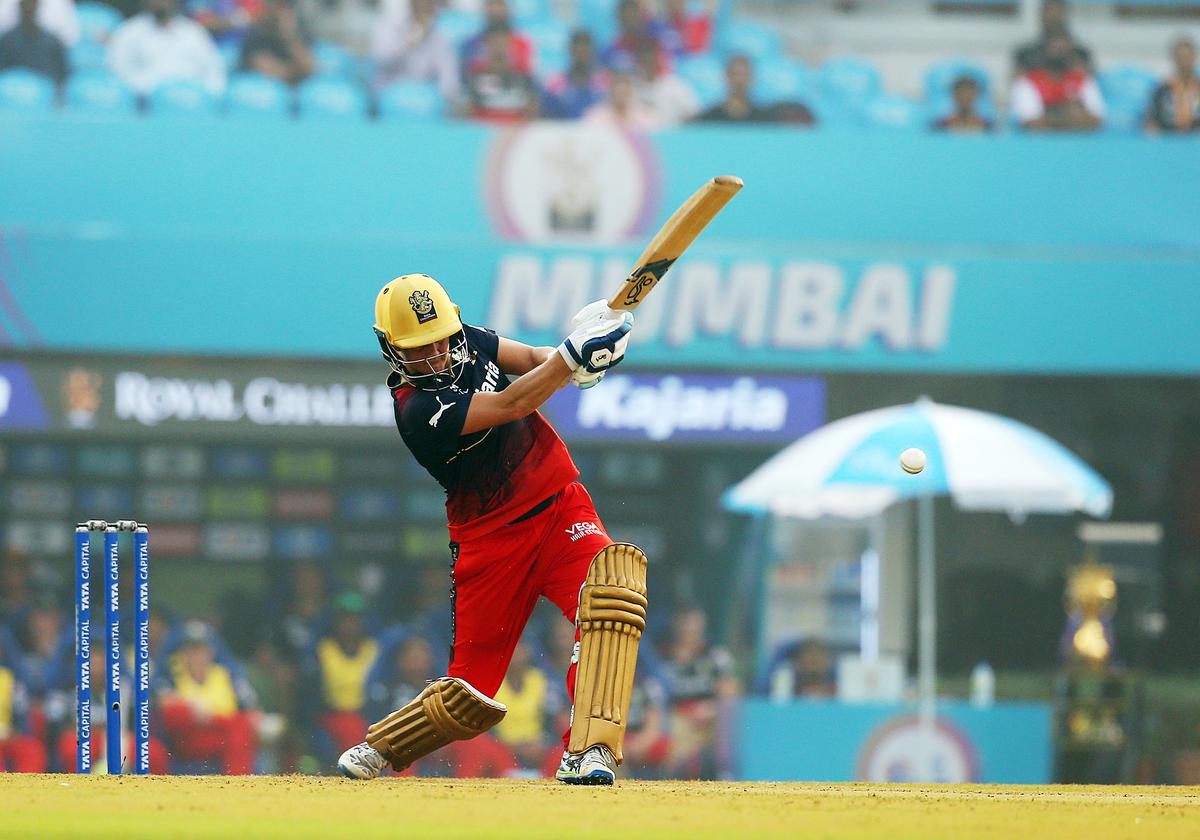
593 766
362 761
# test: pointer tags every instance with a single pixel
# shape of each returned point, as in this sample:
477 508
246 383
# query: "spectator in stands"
348 23
45 646
32 47
647 730
1060 95
409 48
1031 56
965 118
159 46
806 671
738 104
702 685
16 588
634 26
669 98
497 90
524 691
304 609
692 33
400 677
569 95
344 659
58 17
1175 104
278 45
274 682
207 713
20 752
227 21
622 107
475 52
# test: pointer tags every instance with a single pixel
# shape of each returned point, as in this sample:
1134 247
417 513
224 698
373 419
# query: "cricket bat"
673 238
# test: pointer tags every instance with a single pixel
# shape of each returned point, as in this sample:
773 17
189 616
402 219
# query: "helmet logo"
422 305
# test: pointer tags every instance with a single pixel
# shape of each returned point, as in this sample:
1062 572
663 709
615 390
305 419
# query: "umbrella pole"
926 626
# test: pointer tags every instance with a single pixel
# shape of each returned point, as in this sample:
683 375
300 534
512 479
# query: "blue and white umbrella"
850 468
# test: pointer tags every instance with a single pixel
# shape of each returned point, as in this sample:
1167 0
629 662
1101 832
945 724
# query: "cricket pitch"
302 806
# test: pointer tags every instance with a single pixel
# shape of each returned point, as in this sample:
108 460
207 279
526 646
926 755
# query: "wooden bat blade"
673 238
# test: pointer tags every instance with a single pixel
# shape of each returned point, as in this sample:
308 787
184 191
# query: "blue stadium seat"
1127 88
525 12
850 81
182 99
706 75
334 61
457 26
255 95
750 38
99 93
24 92
600 17
893 112
411 101
1123 118
87 56
329 98
783 80
550 44
97 21
834 113
940 77
231 54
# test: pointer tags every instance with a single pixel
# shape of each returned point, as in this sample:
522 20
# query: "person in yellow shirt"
525 692
207 713
344 660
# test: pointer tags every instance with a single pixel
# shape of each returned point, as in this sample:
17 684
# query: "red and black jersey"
490 477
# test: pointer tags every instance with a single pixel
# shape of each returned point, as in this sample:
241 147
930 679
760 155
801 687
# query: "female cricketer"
521 527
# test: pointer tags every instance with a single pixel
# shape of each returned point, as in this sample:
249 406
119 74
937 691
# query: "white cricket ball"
912 460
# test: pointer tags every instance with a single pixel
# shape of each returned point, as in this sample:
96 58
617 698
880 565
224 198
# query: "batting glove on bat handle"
596 310
584 380
597 345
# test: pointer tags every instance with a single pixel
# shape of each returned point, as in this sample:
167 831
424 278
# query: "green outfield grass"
302 806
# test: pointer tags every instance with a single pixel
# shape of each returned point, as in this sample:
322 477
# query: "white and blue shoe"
594 766
362 761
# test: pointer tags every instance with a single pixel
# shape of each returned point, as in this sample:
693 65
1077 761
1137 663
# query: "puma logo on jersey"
582 529
433 421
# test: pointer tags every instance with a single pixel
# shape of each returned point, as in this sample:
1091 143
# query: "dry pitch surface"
300 806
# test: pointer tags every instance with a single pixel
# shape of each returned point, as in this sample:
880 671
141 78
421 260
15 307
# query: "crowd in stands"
286 680
649 64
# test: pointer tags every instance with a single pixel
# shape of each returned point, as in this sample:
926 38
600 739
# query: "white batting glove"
597 345
584 380
595 309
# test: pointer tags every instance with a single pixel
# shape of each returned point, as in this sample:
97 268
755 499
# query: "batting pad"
612 618
449 709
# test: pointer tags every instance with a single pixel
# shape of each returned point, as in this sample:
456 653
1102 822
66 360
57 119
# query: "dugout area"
301 806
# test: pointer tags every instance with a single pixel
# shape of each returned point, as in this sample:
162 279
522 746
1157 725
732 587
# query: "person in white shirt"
1059 95
669 97
160 45
57 17
623 108
407 45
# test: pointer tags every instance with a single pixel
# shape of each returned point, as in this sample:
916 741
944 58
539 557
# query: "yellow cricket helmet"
414 310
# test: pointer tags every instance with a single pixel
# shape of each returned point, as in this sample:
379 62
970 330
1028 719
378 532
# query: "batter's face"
428 358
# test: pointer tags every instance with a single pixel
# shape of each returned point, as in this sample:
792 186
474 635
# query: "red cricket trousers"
498 578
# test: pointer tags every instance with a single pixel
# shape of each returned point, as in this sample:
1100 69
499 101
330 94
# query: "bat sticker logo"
642 280
422 305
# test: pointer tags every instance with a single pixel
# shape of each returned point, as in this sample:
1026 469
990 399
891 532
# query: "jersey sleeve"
432 421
